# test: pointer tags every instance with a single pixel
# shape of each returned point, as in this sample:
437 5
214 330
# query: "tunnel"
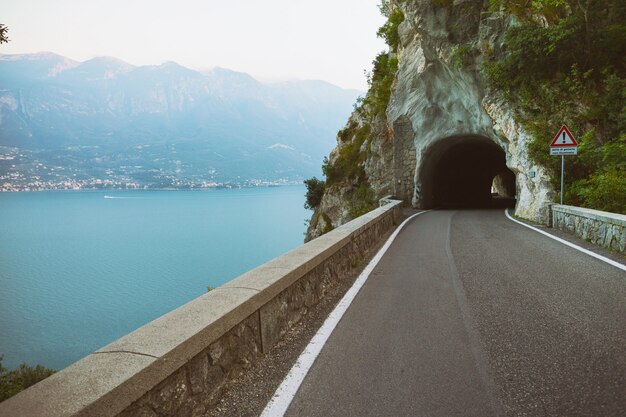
466 172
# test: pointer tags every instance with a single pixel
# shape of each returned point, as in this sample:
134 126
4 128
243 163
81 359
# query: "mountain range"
105 122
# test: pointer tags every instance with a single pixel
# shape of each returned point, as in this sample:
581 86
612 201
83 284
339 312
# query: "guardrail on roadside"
598 227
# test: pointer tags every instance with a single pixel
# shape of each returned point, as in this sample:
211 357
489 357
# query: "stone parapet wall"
179 364
598 227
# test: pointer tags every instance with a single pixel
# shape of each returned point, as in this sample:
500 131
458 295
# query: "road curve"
470 314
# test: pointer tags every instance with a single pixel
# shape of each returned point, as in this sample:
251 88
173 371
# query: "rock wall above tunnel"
441 90
438 96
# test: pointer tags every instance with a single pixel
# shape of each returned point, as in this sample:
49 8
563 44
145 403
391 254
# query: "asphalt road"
470 314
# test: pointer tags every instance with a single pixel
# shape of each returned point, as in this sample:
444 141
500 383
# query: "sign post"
563 144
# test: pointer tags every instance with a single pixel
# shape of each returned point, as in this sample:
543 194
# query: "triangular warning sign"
563 138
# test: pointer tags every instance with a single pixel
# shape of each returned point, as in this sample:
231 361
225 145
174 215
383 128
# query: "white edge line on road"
278 404
565 242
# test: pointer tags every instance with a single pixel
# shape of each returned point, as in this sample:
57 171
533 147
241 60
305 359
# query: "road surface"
471 314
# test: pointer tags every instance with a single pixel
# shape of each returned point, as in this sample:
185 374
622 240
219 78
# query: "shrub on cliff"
349 164
380 80
389 31
386 63
364 201
314 192
12 382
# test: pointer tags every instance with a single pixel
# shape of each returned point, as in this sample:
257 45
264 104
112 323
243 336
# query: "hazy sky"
332 40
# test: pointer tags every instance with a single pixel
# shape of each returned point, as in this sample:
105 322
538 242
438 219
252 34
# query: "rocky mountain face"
442 130
172 122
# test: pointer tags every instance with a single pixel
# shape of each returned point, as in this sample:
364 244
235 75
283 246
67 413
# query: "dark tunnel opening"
466 172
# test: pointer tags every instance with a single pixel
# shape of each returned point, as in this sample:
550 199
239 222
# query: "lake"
79 269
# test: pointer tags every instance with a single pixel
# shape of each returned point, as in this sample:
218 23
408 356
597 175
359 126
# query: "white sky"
331 40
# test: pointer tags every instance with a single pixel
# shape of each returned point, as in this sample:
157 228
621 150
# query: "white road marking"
565 242
287 390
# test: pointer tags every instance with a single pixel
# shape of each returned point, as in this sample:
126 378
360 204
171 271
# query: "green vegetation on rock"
346 169
328 224
463 56
365 201
385 64
389 31
314 192
564 63
380 81
349 163
348 166
12 382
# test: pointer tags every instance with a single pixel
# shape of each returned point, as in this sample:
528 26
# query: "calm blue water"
78 270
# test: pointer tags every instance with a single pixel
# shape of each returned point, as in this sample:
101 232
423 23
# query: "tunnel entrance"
466 172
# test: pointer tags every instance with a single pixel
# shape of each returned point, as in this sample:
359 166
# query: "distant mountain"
171 125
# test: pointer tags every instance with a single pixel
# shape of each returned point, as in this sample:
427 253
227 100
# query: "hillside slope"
176 124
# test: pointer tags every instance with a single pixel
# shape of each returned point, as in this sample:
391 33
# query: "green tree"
314 192
3 33
12 382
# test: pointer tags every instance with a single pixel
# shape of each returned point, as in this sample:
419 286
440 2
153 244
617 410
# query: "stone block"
198 371
168 397
274 320
214 379
144 411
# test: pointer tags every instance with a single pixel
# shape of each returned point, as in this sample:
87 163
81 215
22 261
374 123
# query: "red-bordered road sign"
563 139
564 143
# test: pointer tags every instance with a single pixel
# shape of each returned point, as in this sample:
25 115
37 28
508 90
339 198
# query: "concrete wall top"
107 381
603 216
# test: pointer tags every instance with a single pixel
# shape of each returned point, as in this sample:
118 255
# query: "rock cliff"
440 116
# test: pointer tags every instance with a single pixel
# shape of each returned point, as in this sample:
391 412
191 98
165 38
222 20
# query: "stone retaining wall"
178 364
598 227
